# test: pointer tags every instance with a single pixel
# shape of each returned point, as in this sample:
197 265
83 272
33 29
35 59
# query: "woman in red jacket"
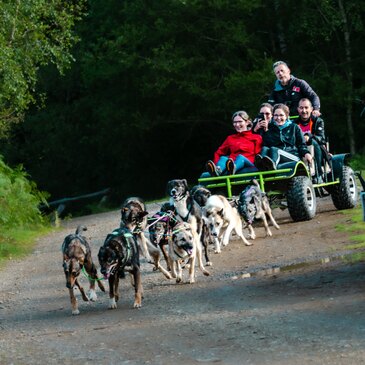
238 150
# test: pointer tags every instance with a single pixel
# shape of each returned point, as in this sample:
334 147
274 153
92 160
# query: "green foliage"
33 33
358 163
19 199
154 84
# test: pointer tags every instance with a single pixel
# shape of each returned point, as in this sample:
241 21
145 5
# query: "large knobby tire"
344 195
301 199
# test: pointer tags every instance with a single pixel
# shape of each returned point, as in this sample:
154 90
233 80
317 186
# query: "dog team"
180 232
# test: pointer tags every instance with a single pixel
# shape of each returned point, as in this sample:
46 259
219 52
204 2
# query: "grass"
356 228
17 243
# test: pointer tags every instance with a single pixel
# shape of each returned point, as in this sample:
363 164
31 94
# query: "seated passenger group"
274 138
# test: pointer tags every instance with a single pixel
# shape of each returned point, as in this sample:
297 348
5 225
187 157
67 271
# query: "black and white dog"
120 253
201 194
134 217
160 227
254 204
188 210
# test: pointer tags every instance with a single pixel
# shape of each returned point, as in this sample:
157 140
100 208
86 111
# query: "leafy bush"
19 199
358 162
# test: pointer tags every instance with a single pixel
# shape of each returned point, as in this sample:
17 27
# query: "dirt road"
255 308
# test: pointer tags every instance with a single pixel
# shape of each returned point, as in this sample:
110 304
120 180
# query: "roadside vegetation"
21 221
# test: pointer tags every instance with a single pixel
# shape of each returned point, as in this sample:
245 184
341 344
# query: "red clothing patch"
296 89
246 143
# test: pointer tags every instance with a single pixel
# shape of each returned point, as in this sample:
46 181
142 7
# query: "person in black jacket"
282 142
313 131
289 90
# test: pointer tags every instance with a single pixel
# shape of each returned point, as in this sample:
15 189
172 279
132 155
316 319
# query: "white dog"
222 220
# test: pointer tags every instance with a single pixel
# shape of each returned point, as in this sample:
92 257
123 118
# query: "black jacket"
291 94
317 129
290 138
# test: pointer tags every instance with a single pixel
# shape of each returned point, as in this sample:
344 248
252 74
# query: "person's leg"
242 161
318 157
221 164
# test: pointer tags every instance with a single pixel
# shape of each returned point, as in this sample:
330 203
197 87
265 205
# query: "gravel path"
247 312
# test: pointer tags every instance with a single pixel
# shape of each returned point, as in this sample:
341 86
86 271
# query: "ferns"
19 199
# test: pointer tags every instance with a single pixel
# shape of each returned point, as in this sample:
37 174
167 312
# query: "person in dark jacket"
282 142
313 131
289 90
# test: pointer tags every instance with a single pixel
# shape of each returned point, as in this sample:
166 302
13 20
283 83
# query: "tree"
33 33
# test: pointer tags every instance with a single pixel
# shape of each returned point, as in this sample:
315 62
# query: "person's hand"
316 113
263 124
308 157
306 137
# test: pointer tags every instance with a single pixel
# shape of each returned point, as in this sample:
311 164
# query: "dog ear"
185 182
220 212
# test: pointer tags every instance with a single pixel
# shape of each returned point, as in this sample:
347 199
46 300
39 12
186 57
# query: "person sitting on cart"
283 142
314 134
237 151
261 122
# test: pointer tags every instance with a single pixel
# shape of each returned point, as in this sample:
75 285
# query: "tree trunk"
349 76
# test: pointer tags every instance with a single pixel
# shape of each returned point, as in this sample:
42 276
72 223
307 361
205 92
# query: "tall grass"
20 219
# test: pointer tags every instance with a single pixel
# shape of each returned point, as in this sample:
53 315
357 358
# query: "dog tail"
80 228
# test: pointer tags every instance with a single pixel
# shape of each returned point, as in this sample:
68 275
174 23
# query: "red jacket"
245 143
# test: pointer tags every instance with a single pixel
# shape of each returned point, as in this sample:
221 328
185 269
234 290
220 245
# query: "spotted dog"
76 254
254 204
134 217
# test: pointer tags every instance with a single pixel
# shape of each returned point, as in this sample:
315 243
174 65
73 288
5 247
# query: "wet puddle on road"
349 258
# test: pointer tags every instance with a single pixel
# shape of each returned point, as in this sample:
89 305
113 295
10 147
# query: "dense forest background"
153 85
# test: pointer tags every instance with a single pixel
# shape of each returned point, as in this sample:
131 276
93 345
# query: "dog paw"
209 263
137 305
112 304
192 281
92 296
206 273
217 251
252 236
248 243
75 312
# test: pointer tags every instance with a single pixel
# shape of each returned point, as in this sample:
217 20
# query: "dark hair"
266 105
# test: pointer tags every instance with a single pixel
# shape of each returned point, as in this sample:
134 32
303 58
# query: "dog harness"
128 238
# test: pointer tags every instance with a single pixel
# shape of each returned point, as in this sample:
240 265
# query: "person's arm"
223 150
318 131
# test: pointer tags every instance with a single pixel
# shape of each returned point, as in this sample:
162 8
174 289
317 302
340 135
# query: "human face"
279 116
266 112
240 124
282 73
305 109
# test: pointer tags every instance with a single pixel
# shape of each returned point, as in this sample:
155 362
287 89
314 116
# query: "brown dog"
76 257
